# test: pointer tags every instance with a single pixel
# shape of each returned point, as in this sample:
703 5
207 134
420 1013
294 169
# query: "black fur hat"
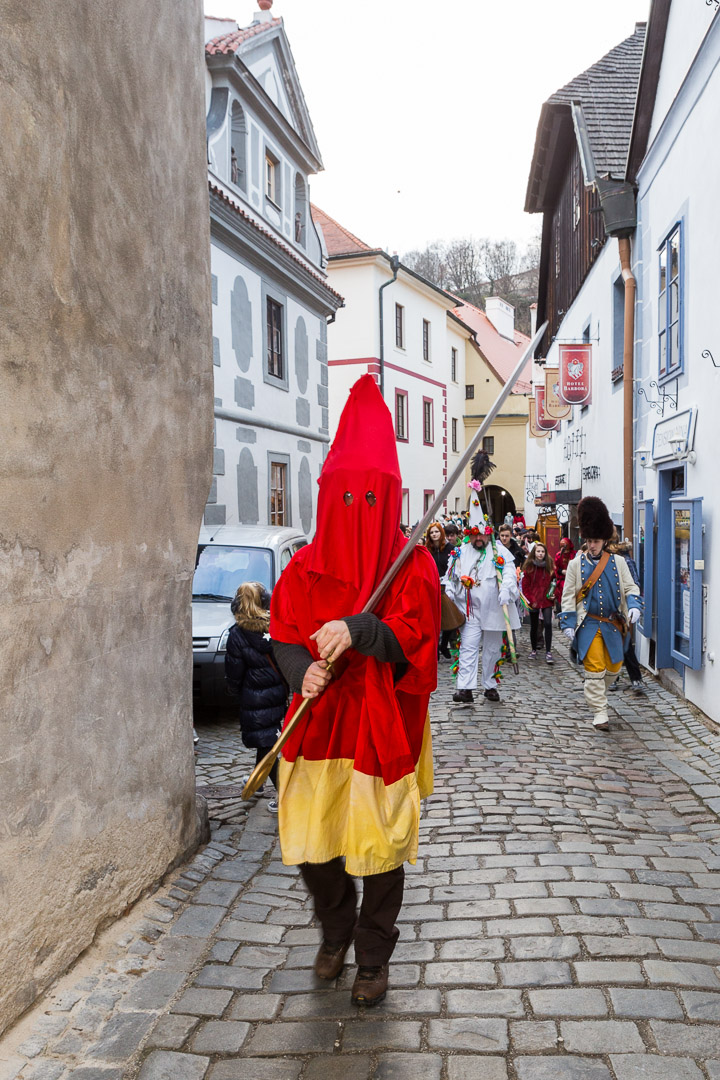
594 521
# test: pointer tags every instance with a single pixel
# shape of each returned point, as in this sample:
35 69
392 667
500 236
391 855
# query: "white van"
226 557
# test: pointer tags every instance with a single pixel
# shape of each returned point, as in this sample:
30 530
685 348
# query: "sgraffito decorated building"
271 300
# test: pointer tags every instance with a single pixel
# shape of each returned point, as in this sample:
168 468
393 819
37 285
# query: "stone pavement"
562 923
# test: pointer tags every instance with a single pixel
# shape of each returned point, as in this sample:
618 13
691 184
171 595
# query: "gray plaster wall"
105 463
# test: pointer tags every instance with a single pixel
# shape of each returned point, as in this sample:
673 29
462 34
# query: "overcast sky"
426 111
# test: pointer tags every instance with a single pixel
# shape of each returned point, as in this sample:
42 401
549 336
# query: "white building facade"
677 358
270 296
418 361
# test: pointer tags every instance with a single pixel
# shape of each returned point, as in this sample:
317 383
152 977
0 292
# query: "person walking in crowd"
600 599
537 586
452 534
252 676
471 583
507 540
564 557
438 546
354 770
631 661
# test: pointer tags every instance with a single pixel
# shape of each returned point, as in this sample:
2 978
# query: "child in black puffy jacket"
251 674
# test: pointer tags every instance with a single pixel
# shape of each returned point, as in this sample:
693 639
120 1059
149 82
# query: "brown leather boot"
330 959
370 985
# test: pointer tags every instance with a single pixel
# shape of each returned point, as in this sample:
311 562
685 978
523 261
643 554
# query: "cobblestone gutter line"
563 922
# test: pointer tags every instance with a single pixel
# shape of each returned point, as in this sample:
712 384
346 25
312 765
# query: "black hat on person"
594 521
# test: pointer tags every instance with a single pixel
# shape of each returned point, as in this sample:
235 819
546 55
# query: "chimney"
502 316
264 15
533 320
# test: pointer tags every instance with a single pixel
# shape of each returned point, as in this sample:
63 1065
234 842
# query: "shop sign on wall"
576 374
554 405
543 421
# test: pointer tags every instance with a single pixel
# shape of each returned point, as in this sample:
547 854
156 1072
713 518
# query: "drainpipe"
628 385
395 265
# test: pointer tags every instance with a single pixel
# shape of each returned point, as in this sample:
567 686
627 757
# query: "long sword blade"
457 472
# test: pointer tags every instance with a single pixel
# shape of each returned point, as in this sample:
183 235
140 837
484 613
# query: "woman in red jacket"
537 578
564 557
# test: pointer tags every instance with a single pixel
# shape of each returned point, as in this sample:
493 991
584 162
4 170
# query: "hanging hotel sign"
542 420
554 405
535 431
576 374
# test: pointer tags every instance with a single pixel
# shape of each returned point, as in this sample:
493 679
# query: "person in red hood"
353 773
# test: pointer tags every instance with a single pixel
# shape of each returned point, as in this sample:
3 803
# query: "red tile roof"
221 194
501 354
230 43
338 239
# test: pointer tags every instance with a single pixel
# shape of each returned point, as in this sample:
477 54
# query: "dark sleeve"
234 665
293 661
372 637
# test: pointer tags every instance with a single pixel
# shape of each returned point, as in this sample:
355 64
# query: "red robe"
352 775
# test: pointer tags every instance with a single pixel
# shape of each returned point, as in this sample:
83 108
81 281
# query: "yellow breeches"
597 658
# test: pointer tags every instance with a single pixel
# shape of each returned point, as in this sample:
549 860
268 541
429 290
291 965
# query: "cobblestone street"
563 920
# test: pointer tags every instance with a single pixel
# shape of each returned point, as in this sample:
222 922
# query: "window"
489 444
405 506
275 359
453 436
469 391
426 339
428 421
272 178
401 418
670 304
278 493
576 193
238 152
453 365
400 326
618 301
428 500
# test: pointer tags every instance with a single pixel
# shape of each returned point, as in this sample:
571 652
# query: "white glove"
504 596
569 633
633 615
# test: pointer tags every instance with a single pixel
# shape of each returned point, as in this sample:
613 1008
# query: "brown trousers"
333 891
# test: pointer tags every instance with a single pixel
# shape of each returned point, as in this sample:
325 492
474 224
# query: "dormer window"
272 178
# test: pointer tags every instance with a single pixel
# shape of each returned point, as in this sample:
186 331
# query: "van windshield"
220 570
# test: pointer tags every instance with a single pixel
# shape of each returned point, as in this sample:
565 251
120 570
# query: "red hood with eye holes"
356 542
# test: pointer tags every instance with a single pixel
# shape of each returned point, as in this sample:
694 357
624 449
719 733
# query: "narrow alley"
563 920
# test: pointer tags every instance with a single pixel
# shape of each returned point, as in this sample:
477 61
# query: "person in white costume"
472 584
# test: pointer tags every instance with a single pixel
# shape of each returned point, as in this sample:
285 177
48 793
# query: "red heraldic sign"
576 374
542 420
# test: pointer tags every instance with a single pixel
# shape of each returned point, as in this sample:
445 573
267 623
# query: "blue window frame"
671 257
686 599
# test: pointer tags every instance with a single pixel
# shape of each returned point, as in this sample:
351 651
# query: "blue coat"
615 592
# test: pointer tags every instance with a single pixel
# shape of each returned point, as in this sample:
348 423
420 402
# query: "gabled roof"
500 354
600 104
231 42
241 43
338 239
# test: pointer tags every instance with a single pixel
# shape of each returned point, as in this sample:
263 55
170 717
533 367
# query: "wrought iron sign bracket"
663 397
707 354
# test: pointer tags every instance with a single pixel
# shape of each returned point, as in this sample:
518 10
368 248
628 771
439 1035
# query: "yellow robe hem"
328 809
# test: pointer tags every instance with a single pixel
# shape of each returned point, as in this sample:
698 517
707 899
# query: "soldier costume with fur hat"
595 618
